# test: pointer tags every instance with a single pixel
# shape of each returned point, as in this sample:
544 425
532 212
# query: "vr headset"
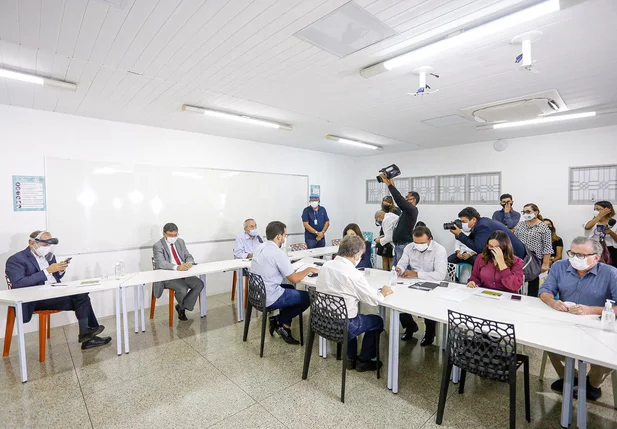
49 241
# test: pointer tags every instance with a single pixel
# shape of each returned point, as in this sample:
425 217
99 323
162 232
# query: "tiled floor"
201 374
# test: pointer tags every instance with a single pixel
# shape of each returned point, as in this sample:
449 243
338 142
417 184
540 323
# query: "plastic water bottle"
608 316
393 277
119 269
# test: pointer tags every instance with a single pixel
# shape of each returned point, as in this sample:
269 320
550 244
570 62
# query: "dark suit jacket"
164 261
483 229
365 262
23 270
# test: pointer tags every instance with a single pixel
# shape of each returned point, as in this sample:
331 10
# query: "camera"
450 225
391 171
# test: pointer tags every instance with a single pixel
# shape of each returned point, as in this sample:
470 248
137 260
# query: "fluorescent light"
353 142
236 117
544 120
465 36
30 78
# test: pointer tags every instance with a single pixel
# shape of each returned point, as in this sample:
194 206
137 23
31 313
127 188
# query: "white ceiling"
141 62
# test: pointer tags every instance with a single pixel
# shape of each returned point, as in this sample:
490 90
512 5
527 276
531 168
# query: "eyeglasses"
527 212
571 254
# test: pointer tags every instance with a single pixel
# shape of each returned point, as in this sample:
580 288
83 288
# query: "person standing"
387 222
603 229
316 223
537 238
403 232
506 215
170 253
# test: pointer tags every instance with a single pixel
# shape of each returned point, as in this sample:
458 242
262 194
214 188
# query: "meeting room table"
578 338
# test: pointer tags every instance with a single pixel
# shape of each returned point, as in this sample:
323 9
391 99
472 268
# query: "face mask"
465 227
253 232
579 264
386 207
595 213
284 242
171 240
529 216
314 204
43 251
420 247
378 222
357 261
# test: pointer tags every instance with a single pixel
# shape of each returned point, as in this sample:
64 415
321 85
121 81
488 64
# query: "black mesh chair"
257 299
485 348
329 320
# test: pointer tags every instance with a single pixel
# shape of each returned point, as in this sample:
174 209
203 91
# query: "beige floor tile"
254 417
70 413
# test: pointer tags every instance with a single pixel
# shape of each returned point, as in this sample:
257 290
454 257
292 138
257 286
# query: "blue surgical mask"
378 223
253 232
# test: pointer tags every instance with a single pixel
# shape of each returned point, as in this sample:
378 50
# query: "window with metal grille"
452 189
483 188
426 187
593 183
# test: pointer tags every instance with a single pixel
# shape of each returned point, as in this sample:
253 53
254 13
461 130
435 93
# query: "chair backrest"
257 291
368 236
8 282
153 266
451 276
336 241
298 246
482 347
328 315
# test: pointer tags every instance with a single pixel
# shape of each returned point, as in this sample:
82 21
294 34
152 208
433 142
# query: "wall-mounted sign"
28 193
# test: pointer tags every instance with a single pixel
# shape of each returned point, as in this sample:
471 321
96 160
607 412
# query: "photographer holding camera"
479 229
402 235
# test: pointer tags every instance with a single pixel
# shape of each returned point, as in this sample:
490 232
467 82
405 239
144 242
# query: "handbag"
532 267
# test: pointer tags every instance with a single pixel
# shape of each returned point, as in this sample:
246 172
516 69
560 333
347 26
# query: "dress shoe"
427 340
369 365
593 393
181 313
274 323
95 342
90 333
409 332
351 364
285 333
557 385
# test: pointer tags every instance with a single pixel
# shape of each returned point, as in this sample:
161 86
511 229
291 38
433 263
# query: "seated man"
36 266
247 241
423 259
170 253
272 264
462 254
340 277
585 281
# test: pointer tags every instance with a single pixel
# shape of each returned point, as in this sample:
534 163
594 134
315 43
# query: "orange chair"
246 288
172 306
44 327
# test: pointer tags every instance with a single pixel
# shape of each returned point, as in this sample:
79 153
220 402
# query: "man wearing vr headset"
36 266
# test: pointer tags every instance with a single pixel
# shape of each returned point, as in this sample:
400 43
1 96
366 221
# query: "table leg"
203 298
142 306
19 315
136 307
581 413
397 342
390 349
240 295
118 323
382 313
568 388
125 319
456 374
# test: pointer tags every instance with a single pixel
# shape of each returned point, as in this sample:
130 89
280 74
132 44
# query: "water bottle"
608 316
393 277
119 270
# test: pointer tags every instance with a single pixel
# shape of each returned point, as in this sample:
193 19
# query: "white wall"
534 170
27 136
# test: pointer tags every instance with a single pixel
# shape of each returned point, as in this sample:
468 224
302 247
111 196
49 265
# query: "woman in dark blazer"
354 229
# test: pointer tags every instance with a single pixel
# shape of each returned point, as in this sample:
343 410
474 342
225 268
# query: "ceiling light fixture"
544 120
236 117
30 78
353 142
464 36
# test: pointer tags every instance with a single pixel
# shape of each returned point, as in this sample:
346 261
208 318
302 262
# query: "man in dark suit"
170 253
36 266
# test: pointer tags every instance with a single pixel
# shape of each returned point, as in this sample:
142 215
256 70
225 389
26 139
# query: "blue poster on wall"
315 190
28 193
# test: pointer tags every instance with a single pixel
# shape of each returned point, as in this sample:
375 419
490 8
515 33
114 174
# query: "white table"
19 296
537 325
312 253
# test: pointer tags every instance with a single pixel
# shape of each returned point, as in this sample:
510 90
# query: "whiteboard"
95 206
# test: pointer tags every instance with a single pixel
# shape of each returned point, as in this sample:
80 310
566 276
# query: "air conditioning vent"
517 109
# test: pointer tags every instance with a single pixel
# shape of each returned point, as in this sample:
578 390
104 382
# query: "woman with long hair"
354 229
557 241
497 268
386 251
536 237
603 228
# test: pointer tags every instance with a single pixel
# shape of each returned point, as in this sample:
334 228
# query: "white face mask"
529 216
314 204
420 247
579 264
284 242
43 251
171 240
465 227
357 261
595 213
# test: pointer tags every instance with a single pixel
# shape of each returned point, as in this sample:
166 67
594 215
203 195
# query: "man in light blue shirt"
582 284
247 241
273 265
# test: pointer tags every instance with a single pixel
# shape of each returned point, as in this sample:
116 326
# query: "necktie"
173 252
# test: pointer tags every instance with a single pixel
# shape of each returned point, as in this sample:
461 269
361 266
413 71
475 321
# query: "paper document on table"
89 283
301 265
490 294
58 284
458 294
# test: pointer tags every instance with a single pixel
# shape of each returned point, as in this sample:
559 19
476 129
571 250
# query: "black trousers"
80 304
613 251
533 287
407 322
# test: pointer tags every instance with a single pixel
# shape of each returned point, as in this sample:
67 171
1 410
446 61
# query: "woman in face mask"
354 229
537 238
603 228
387 205
497 268
557 241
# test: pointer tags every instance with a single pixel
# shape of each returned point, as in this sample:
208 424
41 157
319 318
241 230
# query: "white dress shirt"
173 260
432 264
43 264
458 246
339 277
389 223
